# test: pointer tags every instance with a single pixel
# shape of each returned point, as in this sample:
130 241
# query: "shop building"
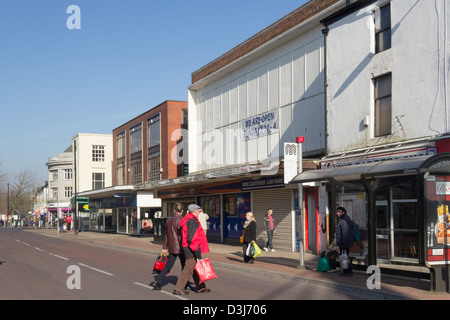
141 152
243 107
387 127
60 185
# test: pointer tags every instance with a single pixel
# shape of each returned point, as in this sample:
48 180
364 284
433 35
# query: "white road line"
17 240
95 269
55 255
161 291
38 249
26 244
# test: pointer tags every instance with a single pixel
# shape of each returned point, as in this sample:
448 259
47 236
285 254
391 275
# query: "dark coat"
172 239
250 232
344 232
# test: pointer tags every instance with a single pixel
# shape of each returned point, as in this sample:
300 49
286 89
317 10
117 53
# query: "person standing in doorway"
344 235
172 245
269 230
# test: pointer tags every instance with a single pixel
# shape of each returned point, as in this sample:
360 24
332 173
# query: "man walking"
194 243
344 235
172 245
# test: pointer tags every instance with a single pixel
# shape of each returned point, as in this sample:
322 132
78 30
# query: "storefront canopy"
396 167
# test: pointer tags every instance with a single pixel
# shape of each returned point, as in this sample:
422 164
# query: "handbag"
241 239
204 270
160 263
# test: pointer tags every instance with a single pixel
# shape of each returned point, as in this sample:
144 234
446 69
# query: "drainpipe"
325 83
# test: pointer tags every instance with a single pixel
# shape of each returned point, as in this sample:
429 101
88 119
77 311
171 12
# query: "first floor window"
68 192
383 105
98 181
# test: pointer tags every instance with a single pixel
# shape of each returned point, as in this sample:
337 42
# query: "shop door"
383 231
312 213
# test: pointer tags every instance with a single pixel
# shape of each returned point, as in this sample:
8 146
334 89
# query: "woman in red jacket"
194 243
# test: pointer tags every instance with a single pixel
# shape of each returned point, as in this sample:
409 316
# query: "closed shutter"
281 203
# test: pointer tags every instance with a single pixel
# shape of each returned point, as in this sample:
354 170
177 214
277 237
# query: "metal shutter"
282 204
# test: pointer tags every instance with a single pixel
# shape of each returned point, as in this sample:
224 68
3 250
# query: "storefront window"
236 205
211 206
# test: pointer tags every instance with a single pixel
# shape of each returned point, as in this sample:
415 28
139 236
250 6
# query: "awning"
407 166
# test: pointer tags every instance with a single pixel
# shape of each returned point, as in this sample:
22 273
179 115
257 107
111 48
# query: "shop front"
227 202
122 210
398 205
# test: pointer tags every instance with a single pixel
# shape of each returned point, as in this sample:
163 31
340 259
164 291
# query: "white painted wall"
287 79
418 60
85 165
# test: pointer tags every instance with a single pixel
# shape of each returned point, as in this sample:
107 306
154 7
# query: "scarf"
247 223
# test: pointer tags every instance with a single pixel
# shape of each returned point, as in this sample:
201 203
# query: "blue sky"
128 56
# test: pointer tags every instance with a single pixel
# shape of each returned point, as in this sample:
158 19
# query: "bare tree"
22 192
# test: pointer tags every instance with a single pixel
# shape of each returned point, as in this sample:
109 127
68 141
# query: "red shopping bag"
160 263
205 270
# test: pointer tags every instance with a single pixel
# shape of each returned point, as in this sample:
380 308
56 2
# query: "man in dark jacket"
344 235
194 244
172 245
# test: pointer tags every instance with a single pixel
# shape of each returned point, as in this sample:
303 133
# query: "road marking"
55 255
38 249
95 269
161 291
26 244
17 240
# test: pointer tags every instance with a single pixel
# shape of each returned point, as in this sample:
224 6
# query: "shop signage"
263 183
259 125
443 187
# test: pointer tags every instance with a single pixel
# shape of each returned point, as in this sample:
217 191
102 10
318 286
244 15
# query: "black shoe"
204 290
181 292
155 285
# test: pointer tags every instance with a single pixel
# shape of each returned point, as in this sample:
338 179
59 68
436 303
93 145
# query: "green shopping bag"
323 265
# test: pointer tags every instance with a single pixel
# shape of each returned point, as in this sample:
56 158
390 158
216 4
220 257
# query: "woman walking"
249 235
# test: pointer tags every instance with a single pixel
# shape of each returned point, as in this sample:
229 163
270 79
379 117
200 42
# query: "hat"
193 207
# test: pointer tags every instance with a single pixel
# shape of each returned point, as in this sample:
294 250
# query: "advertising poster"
437 217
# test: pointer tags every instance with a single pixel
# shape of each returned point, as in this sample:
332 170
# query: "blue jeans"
269 239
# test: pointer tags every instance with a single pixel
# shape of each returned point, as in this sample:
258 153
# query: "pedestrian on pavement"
194 244
249 235
203 217
269 230
172 245
344 235
68 221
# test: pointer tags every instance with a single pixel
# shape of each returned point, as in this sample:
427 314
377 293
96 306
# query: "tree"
22 192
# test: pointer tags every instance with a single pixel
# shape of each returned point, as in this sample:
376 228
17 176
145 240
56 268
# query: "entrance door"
312 222
383 231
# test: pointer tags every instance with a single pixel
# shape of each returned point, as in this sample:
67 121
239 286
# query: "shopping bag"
253 250
160 263
204 270
344 260
323 265
256 251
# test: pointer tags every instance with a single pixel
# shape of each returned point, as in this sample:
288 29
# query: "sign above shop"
259 125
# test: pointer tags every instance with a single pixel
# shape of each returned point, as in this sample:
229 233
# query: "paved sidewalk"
279 264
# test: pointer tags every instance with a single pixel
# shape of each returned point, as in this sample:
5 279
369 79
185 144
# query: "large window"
120 158
383 28
68 174
154 140
54 175
68 192
98 180
136 154
383 105
98 153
